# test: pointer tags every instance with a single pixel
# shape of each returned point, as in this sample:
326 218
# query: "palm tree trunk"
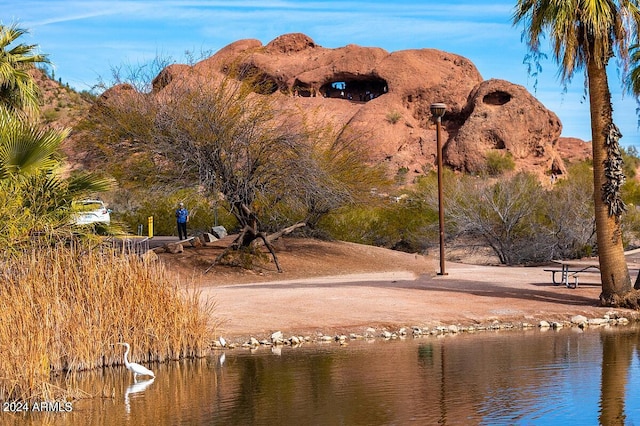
613 266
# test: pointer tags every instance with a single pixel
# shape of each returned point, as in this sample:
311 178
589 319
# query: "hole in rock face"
354 88
496 98
304 90
496 141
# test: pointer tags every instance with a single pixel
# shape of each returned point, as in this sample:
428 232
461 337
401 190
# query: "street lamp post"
438 110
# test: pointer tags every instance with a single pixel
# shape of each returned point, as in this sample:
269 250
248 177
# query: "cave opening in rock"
304 90
496 141
354 88
496 98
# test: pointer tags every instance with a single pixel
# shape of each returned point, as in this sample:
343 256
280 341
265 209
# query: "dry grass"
63 310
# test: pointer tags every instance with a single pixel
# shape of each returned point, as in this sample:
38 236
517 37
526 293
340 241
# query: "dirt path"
337 287
468 295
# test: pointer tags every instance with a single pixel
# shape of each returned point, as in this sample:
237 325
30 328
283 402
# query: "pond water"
565 377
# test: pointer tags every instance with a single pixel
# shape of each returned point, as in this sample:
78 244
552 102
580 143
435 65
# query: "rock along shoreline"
278 338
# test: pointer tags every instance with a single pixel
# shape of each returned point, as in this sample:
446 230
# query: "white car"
91 211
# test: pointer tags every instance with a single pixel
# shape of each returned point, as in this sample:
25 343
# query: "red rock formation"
504 117
385 97
573 149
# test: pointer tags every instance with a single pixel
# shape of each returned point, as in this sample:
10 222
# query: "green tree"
37 198
30 161
333 174
222 134
586 34
18 91
224 138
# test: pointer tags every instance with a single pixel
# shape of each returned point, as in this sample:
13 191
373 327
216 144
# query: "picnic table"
572 268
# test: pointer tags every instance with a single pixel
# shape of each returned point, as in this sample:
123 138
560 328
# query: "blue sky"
86 39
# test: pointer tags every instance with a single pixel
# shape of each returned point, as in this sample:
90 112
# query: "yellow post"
150 219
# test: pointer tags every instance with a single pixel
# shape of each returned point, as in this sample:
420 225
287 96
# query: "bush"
401 176
393 117
135 207
568 214
505 214
50 115
498 163
406 224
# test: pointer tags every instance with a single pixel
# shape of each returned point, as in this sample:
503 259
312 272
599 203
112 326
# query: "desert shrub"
631 160
50 115
504 214
408 225
393 117
401 176
568 214
88 96
519 220
135 207
402 223
631 187
63 309
631 196
498 163
569 210
631 226
631 192
524 223
352 223
407 221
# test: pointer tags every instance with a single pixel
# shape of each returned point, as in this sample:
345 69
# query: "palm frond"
25 147
84 184
18 91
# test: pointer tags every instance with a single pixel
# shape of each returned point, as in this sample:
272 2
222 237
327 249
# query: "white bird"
135 368
223 342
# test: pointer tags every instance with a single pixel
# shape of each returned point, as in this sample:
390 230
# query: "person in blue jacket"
182 217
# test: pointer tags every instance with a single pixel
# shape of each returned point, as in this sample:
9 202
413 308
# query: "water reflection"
617 353
136 387
489 378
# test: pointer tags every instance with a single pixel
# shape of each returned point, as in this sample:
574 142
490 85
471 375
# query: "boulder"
578 319
173 248
219 231
277 336
504 117
209 238
544 324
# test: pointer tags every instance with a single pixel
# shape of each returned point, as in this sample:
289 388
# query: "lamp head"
438 109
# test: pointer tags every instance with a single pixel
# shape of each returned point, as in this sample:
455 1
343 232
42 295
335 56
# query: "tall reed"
62 310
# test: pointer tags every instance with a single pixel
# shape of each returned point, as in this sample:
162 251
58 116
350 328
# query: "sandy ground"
342 288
